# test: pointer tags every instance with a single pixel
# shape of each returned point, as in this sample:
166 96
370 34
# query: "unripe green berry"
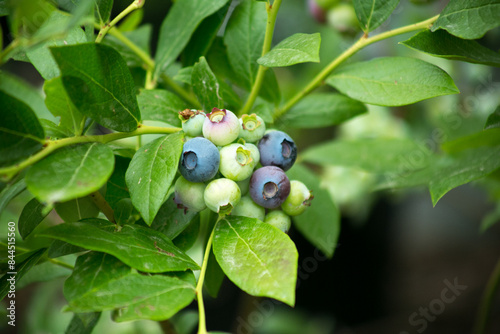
248 208
278 219
244 186
192 121
298 200
222 195
236 162
190 195
252 128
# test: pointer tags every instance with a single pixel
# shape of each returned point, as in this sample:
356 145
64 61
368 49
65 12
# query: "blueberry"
277 149
247 208
237 161
192 121
252 128
189 195
299 199
278 219
221 127
199 160
269 187
222 195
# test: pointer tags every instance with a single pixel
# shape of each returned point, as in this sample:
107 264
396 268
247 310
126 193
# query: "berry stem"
104 30
272 12
360 44
50 146
202 326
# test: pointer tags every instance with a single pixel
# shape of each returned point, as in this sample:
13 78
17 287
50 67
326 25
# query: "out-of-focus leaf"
392 81
31 216
321 110
205 85
83 323
161 105
493 120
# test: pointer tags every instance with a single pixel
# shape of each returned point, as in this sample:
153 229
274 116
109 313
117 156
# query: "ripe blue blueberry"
222 195
189 195
199 160
237 161
221 127
277 149
247 208
269 187
279 219
299 199
192 121
252 128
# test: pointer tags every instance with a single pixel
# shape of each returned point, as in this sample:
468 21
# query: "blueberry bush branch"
360 44
202 326
50 146
104 30
272 12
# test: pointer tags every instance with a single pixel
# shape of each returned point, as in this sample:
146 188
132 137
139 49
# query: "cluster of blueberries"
218 169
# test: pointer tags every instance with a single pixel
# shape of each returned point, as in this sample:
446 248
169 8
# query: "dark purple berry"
269 187
277 149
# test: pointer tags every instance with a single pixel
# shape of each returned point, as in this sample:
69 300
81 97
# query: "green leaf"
372 13
60 248
490 137
26 93
21 269
116 188
270 90
392 81
151 172
203 37
372 155
141 248
161 105
187 238
320 223
40 55
177 28
101 282
100 84
147 297
493 120
70 172
103 10
205 85
171 220
444 45
92 270
243 38
31 216
10 191
259 258
4 9
323 109
461 168
469 19
298 48
20 131
54 131
132 21
60 104
83 323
